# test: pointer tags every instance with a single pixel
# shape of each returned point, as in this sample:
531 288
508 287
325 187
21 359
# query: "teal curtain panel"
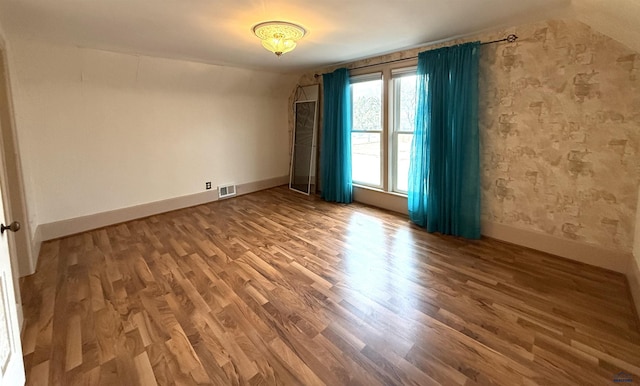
335 156
444 171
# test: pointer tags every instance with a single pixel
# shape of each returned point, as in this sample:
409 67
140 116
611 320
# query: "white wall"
100 130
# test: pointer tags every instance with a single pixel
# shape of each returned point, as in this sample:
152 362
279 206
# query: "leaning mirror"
303 153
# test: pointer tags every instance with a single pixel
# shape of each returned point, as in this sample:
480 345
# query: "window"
404 120
366 132
381 138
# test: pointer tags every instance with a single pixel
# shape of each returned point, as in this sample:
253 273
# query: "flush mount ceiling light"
279 37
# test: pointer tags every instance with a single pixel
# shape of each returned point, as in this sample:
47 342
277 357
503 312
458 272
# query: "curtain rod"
511 38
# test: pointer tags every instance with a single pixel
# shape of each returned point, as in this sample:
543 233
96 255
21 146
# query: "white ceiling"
219 31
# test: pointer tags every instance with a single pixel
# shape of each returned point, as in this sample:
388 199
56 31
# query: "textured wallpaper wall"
560 131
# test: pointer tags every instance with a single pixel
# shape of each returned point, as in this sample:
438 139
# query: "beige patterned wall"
560 131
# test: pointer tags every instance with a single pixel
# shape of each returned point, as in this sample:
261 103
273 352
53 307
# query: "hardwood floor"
276 288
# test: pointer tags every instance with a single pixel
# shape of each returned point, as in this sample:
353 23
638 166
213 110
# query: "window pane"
365 158
367 105
404 153
404 112
406 105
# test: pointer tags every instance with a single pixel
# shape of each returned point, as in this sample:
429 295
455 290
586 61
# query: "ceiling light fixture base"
279 37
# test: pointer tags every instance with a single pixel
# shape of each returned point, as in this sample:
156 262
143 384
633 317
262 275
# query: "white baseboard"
20 314
633 276
57 229
585 253
262 185
36 243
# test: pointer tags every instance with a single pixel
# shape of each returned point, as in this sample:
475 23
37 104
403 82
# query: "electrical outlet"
207 185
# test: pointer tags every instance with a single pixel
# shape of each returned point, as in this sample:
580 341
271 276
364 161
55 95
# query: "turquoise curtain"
444 171
335 153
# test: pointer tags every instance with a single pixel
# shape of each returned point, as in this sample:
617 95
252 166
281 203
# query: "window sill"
402 195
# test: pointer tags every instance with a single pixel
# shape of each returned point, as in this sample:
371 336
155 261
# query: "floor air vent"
225 191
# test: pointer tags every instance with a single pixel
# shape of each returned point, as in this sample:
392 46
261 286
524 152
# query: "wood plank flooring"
277 288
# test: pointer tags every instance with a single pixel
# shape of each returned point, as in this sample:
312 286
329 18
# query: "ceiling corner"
618 19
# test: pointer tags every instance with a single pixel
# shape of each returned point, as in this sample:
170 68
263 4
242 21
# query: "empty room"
319 192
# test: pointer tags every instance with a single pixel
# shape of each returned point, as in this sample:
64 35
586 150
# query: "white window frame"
394 119
388 157
366 78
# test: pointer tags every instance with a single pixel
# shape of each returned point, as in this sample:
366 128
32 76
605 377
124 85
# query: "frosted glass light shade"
279 37
279 46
